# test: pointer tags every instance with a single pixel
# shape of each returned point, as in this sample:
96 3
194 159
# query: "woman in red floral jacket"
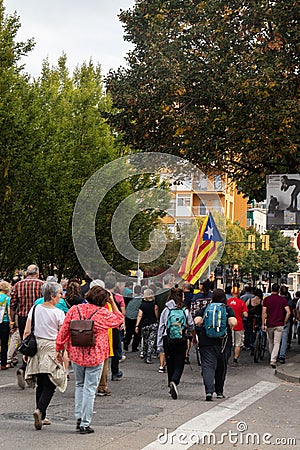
87 362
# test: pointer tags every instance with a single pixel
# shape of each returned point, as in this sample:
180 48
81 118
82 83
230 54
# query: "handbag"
28 346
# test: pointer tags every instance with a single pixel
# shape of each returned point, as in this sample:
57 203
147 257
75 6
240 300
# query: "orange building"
196 196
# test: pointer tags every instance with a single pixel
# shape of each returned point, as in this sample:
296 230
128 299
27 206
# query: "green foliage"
215 82
16 213
234 251
54 136
280 259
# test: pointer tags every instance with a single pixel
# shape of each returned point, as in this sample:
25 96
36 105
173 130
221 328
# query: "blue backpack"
176 325
215 320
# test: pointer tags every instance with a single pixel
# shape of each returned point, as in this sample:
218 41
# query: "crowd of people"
160 321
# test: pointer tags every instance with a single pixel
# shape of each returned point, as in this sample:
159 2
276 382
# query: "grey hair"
97 282
32 270
168 278
148 295
52 279
50 289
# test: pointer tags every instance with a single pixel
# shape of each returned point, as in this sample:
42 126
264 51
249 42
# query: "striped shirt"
24 294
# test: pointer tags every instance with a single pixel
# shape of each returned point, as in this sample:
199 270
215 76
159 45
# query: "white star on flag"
209 232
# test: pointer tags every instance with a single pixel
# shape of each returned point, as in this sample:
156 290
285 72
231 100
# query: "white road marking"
207 422
7 385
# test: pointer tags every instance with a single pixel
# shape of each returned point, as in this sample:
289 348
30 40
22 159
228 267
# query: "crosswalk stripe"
210 420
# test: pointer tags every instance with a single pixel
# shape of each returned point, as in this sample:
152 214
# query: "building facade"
194 196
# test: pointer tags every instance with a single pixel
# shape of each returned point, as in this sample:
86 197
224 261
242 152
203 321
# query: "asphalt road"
260 411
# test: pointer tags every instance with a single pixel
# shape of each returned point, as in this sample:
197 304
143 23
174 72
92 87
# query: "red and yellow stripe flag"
202 252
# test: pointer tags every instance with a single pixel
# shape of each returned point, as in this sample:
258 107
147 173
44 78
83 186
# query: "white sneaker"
173 390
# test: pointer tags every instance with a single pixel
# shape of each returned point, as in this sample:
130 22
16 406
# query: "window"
218 183
183 200
201 183
172 207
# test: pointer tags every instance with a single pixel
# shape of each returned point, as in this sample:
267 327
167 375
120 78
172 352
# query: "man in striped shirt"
23 296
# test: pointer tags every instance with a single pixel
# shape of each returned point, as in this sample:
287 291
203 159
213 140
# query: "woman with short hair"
43 368
87 362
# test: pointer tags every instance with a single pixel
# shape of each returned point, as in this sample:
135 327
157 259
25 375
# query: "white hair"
97 283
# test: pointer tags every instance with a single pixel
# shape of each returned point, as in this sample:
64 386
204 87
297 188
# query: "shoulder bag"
28 346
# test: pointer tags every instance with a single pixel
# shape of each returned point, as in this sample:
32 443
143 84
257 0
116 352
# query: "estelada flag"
202 252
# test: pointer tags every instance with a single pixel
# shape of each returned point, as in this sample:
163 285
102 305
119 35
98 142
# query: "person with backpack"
175 322
214 323
201 299
87 360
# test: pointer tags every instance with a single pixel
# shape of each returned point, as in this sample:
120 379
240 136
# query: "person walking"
147 324
246 297
161 297
254 306
42 369
215 351
275 315
241 312
111 285
175 349
88 361
5 289
74 295
23 295
188 293
283 291
132 310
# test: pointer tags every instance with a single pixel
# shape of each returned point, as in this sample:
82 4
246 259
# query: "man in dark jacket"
214 352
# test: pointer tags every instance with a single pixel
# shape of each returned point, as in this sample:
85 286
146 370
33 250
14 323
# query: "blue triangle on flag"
211 232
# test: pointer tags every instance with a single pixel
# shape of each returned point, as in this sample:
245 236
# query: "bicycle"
260 345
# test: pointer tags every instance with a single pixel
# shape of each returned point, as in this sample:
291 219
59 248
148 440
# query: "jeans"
214 367
274 338
44 392
175 356
4 336
87 380
284 340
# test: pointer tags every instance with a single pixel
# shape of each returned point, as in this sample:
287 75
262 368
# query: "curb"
289 373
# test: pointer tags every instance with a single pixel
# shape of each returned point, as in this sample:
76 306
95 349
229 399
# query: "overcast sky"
82 29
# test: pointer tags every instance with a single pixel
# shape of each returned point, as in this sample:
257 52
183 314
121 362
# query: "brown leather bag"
82 331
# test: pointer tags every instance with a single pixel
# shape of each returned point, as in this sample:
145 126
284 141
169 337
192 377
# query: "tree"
16 214
279 260
235 250
54 136
214 82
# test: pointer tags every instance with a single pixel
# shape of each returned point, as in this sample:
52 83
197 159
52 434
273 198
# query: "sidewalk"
290 371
